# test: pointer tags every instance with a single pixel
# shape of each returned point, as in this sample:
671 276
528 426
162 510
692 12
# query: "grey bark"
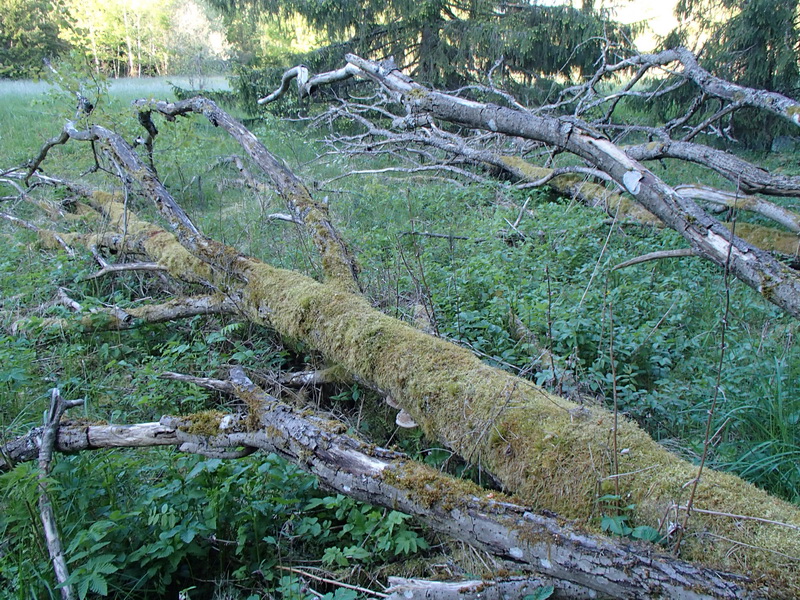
582 565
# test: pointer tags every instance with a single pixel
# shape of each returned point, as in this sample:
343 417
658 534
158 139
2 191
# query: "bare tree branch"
770 210
709 238
660 255
771 102
304 84
47 442
337 260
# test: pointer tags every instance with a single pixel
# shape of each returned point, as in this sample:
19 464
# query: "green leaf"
647 533
99 585
541 593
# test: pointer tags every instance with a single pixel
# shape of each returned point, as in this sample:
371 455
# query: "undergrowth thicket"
150 523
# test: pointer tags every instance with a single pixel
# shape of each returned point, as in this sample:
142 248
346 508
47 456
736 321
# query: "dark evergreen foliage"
28 34
443 43
754 43
757 46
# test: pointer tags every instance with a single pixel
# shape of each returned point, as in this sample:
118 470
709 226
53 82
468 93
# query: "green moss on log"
591 194
547 450
769 238
205 423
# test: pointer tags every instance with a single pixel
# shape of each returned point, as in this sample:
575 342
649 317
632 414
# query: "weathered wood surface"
589 566
551 453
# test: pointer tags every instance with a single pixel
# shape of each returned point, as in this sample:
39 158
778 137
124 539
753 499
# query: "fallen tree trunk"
655 202
582 564
550 452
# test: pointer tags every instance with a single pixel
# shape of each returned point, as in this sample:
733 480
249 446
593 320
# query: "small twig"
446 236
521 212
449 168
16 186
599 258
284 217
715 117
565 171
745 545
30 226
614 395
514 228
219 385
636 472
711 411
735 516
556 379
68 302
681 252
123 267
334 582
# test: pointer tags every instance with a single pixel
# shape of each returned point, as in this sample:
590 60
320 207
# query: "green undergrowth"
150 524
554 275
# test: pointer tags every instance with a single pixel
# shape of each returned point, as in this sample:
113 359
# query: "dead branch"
707 236
46 443
304 84
660 255
427 168
514 587
767 209
41 232
337 260
115 318
771 102
589 564
124 268
565 182
750 178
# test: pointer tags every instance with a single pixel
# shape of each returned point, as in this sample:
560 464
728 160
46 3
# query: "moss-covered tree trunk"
579 564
